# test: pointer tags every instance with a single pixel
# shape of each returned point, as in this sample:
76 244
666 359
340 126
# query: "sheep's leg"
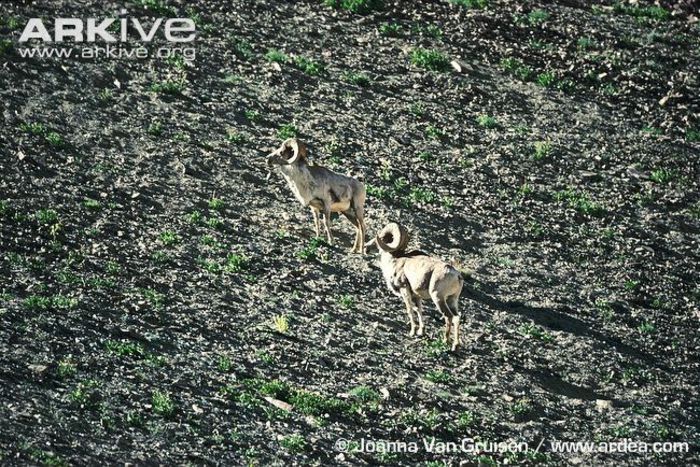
453 303
419 312
350 214
360 213
408 301
327 223
441 305
317 222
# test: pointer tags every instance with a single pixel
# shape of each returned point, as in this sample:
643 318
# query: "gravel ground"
163 301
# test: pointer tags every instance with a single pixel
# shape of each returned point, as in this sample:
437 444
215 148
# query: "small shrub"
358 79
473 4
308 66
546 79
433 60
346 301
390 29
543 149
169 86
486 121
536 17
293 443
662 176
162 403
438 376
276 56
168 238
652 12
288 130
356 6
281 324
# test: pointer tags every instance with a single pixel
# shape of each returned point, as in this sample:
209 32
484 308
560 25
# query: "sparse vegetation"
432 60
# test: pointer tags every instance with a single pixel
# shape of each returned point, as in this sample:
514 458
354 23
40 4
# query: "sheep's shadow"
563 320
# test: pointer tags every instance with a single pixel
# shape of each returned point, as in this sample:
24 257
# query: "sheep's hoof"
455 346
419 333
411 333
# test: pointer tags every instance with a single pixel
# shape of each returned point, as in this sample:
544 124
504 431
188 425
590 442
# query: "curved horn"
393 237
298 148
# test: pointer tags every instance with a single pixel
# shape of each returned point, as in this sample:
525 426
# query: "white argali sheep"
415 276
321 189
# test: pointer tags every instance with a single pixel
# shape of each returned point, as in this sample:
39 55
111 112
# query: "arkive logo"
107 38
173 29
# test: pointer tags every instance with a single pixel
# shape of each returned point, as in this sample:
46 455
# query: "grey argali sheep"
322 190
415 276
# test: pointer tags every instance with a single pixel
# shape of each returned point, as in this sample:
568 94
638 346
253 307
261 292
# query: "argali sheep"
415 276
321 189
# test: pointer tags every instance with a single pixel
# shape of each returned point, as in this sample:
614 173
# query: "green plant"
168 238
474 4
35 128
235 263
466 420
309 403
288 130
91 204
308 66
5 45
158 6
125 348
293 443
433 132
580 202
438 376
358 79
236 137
105 94
652 12
162 403
280 323
486 121
422 195
252 116
356 6
604 309
155 128
346 301
516 68
433 60
243 49
546 79
521 407
585 43
532 330
195 217
154 298
542 149
536 17
169 86
276 56
216 204
365 394
662 176
390 29
224 364
66 368
54 139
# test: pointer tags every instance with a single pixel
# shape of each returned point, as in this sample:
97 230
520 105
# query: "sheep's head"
392 238
290 152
